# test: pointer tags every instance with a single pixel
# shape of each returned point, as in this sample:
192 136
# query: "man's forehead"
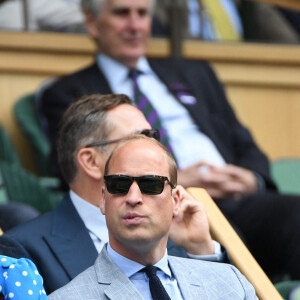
141 146
126 119
139 152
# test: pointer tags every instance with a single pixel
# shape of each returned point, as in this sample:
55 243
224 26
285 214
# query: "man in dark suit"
66 241
212 149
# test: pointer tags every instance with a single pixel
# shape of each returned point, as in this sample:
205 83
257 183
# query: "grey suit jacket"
196 279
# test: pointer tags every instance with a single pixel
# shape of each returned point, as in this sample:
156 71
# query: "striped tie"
220 20
148 110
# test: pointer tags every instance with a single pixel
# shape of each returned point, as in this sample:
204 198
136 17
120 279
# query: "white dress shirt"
188 143
93 220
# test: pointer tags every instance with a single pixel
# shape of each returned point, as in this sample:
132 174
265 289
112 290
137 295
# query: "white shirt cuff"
217 256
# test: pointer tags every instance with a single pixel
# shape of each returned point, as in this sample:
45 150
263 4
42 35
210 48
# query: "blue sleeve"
20 279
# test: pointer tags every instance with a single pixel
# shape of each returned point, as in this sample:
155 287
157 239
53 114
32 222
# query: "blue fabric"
20 279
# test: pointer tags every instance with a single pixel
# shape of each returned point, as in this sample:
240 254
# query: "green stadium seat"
286 174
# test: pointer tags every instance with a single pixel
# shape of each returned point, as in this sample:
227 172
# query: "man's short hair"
84 122
134 137
94 6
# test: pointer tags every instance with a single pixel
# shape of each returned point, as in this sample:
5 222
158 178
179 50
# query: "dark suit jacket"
59 244
211 112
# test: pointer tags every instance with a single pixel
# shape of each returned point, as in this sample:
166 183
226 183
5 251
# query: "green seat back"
3 193
7 150
285 287
27 119
286 174
22 186
7 153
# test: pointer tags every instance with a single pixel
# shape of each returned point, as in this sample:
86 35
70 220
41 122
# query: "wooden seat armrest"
241 257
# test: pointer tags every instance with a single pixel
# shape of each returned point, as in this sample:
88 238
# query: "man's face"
122 29
137 219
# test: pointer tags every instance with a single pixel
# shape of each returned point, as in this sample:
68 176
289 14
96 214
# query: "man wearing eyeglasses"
67 240
212 148
139 201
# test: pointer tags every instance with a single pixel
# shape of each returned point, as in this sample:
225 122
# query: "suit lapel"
122 289
171 72
190 287
96 81
70 241
118 285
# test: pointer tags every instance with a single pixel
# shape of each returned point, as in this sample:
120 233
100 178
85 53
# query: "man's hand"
190 229
226 182
192 176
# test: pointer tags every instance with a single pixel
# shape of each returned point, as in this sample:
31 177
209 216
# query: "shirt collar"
114 71
91 216
130 267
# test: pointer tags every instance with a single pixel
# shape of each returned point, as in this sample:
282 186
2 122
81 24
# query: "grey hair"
94 6
84 122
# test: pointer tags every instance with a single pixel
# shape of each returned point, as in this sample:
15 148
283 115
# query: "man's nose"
134 195
135 21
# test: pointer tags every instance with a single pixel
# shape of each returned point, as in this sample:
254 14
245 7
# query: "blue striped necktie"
143 104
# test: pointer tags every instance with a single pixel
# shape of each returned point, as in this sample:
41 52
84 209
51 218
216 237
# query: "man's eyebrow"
121 10
143 11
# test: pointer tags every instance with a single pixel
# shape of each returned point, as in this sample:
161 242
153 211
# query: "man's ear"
91 24
176 200
91 162
102 200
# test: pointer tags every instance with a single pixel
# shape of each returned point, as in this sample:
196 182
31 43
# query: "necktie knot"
134 73
150 271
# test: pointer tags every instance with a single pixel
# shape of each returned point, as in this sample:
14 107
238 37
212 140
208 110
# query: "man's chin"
133 53
137 239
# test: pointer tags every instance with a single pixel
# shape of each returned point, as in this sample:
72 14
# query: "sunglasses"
152 133
148 184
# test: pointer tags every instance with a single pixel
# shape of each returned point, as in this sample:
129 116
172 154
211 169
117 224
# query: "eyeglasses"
148 184
152 133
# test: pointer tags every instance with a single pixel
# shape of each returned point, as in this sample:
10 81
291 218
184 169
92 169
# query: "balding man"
140 200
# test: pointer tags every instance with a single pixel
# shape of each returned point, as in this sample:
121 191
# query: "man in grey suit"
140 200
66 241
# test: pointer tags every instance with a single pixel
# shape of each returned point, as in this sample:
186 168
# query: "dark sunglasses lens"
156 135
118 185
151 133
151 186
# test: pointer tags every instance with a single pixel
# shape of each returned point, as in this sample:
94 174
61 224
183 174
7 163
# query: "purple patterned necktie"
148 110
